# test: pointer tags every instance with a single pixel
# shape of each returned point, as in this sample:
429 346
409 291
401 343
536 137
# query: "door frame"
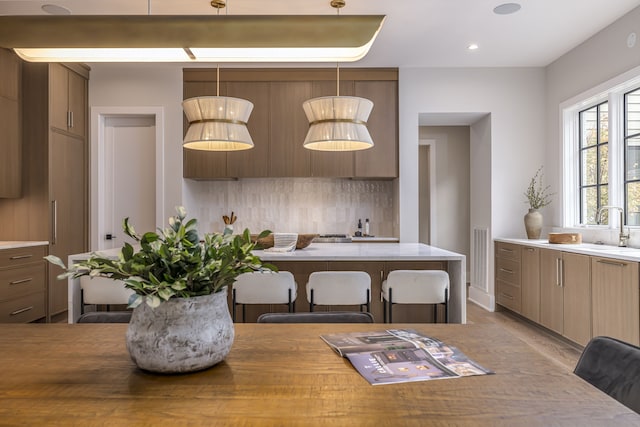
97 170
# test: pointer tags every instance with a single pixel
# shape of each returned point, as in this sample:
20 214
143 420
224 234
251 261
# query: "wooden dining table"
285 375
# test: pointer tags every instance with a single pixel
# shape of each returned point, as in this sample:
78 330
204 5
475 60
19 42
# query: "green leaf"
55 261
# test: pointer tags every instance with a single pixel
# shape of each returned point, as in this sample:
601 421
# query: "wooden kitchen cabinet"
54 205
10 133
68 99
380 161
507 274
615 299
281 129
23 276
565 294
289 125
530 283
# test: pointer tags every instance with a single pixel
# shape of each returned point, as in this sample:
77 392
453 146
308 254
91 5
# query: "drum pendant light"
338 123
217 123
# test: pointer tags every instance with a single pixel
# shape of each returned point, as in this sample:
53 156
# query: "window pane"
589 205
633 203
604 164
589 127
589 167
604 123
604 201
633 112
632 157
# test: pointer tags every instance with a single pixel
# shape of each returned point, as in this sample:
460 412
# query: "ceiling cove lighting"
164 38
217 123
338 123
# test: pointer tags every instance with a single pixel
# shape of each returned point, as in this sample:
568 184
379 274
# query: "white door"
130 177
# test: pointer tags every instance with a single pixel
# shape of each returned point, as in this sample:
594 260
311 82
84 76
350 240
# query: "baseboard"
482 299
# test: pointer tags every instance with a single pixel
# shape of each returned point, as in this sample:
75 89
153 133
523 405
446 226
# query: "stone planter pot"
533 224
181 335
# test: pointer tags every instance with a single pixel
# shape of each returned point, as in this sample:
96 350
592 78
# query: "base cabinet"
615 299
23 277
575 295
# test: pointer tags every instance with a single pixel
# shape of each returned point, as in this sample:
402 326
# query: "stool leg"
311 302
390 305
384 310
290 302
435 313
368 301
244 317
446 305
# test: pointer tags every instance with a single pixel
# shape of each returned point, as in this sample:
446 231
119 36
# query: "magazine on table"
402 355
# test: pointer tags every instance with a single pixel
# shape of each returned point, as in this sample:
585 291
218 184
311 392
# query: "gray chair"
317 317
613 366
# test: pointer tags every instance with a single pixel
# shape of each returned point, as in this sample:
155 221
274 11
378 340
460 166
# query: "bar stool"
339 288
416 287
264 287
103 291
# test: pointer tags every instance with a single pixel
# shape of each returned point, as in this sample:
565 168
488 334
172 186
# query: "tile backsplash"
297 205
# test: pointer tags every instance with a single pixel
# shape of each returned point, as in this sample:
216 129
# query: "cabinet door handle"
21 310
507 296
70 119
506 250
17 282
530 249
617 264
561 263
20 257
506 270
559 272
54 221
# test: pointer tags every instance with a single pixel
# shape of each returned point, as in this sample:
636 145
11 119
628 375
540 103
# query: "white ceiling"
416 33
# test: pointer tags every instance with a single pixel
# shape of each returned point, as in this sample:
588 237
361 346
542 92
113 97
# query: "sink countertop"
605 251
21 244
374 239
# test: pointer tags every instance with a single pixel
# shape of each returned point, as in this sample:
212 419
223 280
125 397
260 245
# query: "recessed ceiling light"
506 8
53 9
473 46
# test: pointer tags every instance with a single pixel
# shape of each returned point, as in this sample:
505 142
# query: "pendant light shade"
217 123
338 123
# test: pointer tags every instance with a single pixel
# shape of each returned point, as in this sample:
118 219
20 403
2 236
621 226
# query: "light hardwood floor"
556 348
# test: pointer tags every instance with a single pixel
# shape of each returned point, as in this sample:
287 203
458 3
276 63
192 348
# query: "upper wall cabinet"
278 125
10 135
69 100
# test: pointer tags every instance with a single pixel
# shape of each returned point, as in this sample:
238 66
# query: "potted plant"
538 196
180 320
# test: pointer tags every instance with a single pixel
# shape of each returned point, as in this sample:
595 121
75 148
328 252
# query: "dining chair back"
416 287
318 317
613 366
101 291
339 288
264 287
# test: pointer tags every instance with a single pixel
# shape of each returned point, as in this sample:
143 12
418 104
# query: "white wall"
147 85
514 97
597 60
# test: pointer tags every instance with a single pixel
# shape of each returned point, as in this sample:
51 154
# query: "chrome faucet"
623 237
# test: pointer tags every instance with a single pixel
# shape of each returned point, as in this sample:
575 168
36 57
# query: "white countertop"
374 239
605 251
23 244
362 251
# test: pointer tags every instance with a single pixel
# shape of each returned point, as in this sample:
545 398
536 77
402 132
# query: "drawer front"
23 310
20 281
508 296
508 251
21 256
508 270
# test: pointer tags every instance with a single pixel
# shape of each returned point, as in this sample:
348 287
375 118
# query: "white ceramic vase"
533 224
182 334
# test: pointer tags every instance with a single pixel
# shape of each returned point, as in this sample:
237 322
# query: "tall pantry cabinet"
55 149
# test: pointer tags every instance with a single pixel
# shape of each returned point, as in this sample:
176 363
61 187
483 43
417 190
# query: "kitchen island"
377 259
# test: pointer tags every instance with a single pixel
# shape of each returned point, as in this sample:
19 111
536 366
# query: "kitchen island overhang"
343 252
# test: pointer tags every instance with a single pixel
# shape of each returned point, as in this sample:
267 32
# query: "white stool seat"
339 288
415 287
101 290
264 287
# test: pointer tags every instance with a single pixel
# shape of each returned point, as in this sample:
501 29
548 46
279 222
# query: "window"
594 163
632 156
